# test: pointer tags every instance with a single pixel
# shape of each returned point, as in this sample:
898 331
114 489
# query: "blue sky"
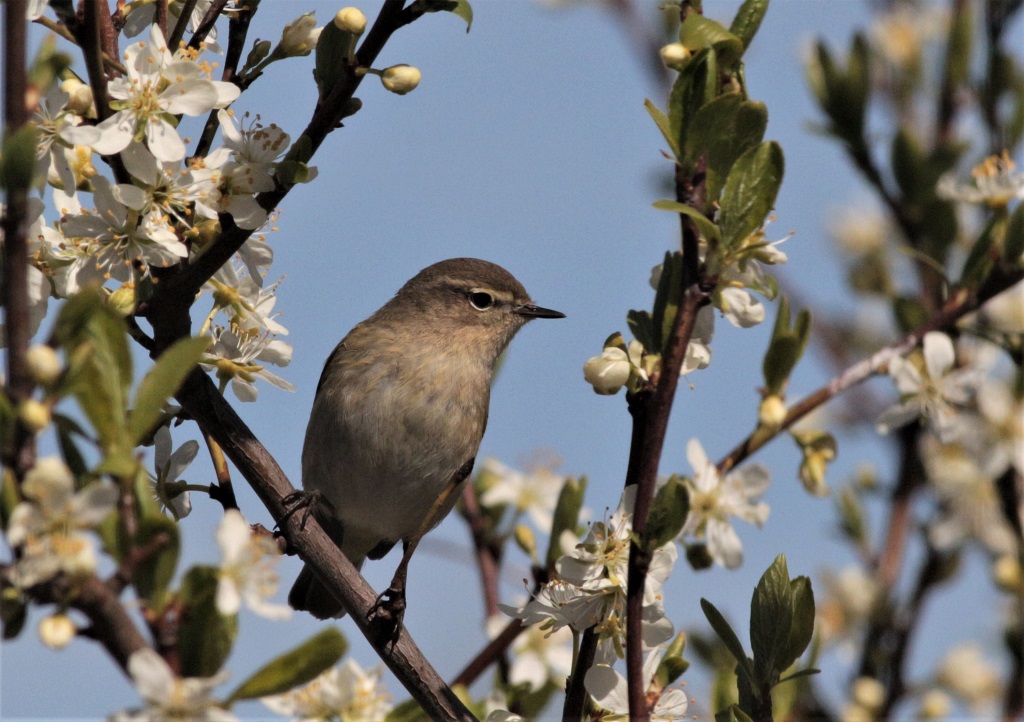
527 144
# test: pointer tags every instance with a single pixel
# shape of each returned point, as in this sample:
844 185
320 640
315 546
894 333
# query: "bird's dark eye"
480 300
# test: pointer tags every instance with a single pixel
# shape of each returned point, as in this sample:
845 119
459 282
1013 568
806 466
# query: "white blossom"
158 85
248 572
169 697
610 371
116 234
713 500
994 182
169 467
535 492
610 691
50 527
59 131
935 393
238 358
344 692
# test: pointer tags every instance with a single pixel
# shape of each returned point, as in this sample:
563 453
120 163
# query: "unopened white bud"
401 79
299 36
674 56
935 704
772 412
44 364
123 299
869 693
1006 573
34 415
56 631
80 99
350 20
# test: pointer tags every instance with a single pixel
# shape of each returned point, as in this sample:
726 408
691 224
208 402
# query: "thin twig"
19 455
222 491
576 693
489 654
63 31
238 31
207 23
486 555
651 409
324 120
956 308
179 27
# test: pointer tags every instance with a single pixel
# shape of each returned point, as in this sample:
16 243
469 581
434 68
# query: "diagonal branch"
200 398
956 308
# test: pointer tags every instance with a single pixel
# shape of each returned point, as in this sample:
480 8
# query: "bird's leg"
309 501
390 605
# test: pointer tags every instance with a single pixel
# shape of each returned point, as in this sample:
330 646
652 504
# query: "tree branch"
956 308
19 453
651 408
199 397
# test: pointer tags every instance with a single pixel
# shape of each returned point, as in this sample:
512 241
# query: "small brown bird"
399 414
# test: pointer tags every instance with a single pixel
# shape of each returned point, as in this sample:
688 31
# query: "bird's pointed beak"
529 310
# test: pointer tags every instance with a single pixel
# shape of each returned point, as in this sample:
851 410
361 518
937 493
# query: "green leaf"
67 428
800 673
725 129
295 667
566 516
667 298
18 158
205 635
672 665
725 633
668 513
771 617
154 575
909 313
748 20
785 348
695 87
958 54
333 48
664 125
162 382
698 32
1013 244
732 714
802 628
642 327
13 612
460 8
9 496
750 191
982 258
706 227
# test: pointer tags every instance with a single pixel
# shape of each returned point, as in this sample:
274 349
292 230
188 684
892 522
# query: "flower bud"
772 412
526 540
123 299
57 631
1006 573
79 97
869 693
299 36
608 372
674 56
401 79
350 20
34 416
935 704
43 364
